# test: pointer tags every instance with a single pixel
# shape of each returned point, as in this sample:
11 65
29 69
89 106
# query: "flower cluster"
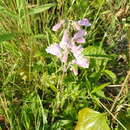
68 45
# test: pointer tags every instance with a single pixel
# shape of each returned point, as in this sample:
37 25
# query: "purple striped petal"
84 22
80 40
54 49
79 34
65 40
58 26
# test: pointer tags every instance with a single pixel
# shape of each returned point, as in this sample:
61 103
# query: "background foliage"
33 94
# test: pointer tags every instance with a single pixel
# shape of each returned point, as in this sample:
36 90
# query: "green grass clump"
34 92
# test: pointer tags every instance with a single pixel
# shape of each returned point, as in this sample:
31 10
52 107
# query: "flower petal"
54 49
80 40
58 26
84 22
65 40
79 34
76 50
64 57
82 62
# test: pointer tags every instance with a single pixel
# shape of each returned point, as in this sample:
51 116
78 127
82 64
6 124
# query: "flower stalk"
68 46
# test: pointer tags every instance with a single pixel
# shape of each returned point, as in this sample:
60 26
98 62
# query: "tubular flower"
78 37
80 40
58 26
54 49
81 61
84 22
79 34
65 41
76 50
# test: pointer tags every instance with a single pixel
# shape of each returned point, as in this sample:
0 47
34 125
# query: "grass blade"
6 36
41 8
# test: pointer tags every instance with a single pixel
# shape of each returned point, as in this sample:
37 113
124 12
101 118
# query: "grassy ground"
29 96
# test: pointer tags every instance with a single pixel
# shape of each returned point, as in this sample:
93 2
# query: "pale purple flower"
84 22
82 62
68 45
76 50
79 34
80 40
65 41
78 37
64 57
58 26
54 49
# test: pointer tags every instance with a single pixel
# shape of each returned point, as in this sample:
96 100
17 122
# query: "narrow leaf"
6 36
100 87
110 74
40 9
99 56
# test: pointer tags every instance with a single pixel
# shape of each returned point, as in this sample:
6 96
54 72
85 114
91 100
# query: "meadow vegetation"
35 91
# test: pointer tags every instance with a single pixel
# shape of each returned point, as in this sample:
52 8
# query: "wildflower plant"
71 44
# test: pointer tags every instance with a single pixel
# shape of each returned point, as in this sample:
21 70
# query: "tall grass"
29 96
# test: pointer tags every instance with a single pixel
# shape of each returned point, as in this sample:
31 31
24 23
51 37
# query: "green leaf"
40 9
49 81
8 13
38 36
96 52
1 9
98 3
6 36
53 88
66 124
96 89
12 48
124 118
89 119
110 74
98 57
